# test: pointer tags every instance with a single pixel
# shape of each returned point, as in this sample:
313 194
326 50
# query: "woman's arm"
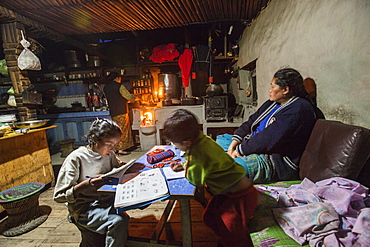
246 127
290 124
126 94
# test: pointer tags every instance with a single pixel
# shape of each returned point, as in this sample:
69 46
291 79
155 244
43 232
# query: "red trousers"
228 215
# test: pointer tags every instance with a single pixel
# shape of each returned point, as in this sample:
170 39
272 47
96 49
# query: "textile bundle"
332 212
156 157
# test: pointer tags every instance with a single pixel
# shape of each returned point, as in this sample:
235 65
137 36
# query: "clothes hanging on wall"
202 69
185 63
163 53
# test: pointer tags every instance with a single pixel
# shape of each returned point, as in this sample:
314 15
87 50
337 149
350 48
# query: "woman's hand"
232 147
177 167
235 154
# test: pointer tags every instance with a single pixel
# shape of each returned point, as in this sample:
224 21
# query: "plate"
31 124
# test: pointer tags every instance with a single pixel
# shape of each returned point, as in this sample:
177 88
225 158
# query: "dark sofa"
334 149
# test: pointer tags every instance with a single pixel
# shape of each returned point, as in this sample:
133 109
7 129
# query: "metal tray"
31 124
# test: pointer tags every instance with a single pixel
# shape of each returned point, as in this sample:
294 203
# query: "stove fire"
147 118
147 133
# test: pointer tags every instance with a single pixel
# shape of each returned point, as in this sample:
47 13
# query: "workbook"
148 186
118 172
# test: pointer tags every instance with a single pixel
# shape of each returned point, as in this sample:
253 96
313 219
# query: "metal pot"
214 90
71 59
169 86
167 102
188 101
94 61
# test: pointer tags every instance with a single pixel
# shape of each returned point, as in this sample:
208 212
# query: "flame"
147 119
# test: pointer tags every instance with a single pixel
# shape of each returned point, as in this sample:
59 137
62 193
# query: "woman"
118 97
270 144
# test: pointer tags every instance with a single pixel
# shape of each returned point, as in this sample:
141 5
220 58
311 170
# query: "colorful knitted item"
154 157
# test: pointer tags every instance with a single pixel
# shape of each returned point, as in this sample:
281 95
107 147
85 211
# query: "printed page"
147 186
171 174
118 172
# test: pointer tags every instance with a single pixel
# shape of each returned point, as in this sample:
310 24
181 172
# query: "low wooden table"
180 190
22 205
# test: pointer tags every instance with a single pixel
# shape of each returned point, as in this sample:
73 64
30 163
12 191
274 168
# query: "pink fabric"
228 215
185 63
301 208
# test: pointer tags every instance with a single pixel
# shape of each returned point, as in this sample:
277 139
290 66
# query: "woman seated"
270 144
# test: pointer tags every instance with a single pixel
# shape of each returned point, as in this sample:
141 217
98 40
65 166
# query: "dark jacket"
117 103
284 138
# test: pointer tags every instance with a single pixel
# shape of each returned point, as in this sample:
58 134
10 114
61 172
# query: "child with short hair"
234 197
79 178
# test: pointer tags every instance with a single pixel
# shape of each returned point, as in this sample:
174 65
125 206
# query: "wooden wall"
11 35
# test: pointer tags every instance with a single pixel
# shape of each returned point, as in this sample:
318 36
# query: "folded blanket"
155 157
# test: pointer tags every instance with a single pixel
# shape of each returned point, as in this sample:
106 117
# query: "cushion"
335 149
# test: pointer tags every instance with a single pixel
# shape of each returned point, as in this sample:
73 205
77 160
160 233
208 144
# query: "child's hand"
98 181
135 168
177 167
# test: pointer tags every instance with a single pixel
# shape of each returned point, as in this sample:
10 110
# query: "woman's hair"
291 78
181 126
111 76
101 128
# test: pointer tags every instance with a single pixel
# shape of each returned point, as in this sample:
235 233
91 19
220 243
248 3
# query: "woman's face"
118 79
106 145
277 94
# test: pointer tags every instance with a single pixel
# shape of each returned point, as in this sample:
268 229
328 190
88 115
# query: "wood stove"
216 108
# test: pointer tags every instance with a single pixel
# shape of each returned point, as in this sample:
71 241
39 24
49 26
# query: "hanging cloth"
185 63
163 53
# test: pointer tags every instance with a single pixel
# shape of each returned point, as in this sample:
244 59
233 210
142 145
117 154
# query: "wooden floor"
56 231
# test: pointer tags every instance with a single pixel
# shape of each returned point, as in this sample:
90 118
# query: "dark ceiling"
75 17
78 23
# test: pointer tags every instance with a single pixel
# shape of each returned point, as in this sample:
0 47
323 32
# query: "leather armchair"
336 149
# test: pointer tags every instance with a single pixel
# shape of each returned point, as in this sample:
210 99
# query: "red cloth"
185 63
163 53
228 215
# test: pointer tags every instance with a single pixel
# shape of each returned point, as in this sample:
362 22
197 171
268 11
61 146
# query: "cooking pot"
169 85
188 101
167 102
214 90
94 61
71 59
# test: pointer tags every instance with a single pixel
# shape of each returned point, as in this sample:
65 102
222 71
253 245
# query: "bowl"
31 124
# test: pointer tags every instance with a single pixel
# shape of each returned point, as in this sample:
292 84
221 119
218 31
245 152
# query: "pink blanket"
331 212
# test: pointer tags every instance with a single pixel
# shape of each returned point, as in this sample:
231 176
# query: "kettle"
214 90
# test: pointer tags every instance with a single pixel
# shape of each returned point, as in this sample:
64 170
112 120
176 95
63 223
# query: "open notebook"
147 186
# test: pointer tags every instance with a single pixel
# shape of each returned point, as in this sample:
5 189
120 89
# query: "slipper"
121 152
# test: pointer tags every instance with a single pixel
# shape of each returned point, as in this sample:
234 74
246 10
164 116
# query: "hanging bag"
28 60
